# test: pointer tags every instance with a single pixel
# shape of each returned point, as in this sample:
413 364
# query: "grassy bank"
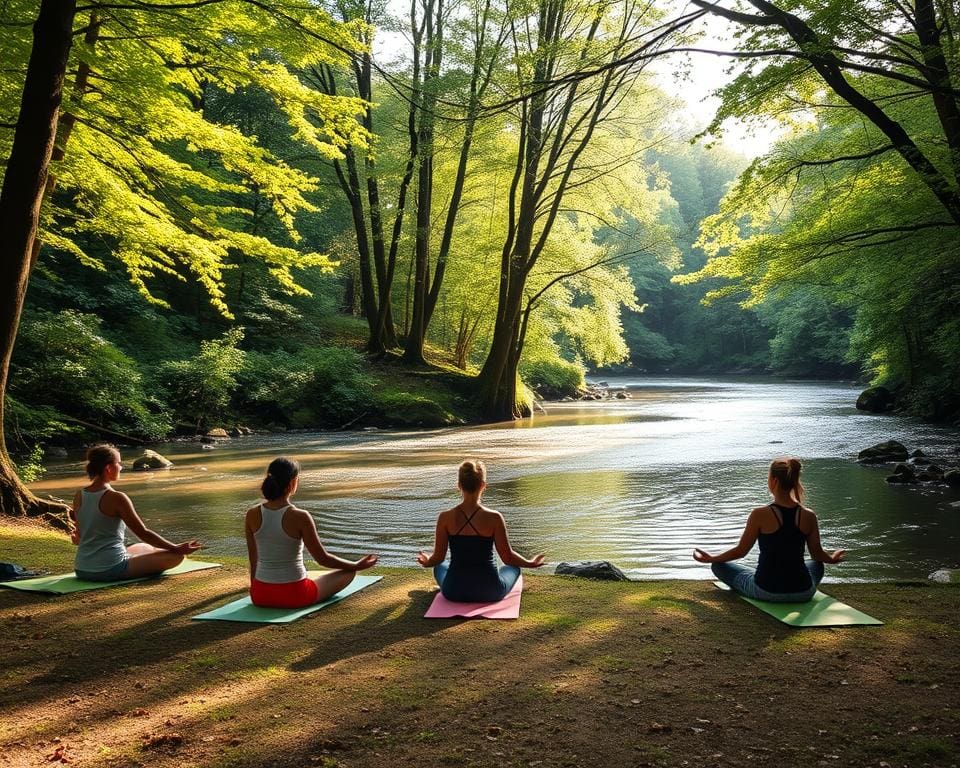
636 674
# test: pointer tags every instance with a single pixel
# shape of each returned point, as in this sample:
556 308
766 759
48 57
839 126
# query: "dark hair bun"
280 474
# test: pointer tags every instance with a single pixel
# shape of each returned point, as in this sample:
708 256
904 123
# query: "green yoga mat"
66 583
244 610
820 611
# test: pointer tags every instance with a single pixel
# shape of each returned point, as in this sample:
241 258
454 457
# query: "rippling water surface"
639 482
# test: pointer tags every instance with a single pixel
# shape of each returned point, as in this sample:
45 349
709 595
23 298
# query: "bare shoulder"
115 500
760 512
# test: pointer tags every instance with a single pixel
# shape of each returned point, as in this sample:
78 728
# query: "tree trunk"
20 200
433 52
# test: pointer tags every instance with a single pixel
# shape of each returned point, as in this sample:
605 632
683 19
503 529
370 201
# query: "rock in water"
875 400
902 473
219 433
952 477
151 460
593 569
883 452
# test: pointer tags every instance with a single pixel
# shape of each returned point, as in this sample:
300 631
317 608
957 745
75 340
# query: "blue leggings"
488 590
740 578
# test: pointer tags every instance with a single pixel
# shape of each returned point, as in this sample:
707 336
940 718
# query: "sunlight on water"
639 482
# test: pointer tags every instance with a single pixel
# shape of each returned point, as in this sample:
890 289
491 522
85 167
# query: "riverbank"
640 674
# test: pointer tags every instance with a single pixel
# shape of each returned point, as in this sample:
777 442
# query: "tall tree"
144 171
24 182
559 117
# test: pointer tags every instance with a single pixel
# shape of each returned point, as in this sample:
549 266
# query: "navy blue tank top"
473 573
781 567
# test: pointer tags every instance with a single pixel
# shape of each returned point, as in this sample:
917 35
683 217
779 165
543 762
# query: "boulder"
602 570
945 576
218 433
622 396
952 477
151 460
902 473
875 400
917 454
883 452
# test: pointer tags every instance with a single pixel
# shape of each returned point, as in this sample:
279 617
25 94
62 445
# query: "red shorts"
291 594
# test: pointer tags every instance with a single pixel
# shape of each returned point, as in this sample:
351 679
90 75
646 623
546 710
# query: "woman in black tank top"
783 529
472 532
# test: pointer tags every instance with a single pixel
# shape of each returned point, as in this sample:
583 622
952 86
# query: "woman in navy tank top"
783 529
472 531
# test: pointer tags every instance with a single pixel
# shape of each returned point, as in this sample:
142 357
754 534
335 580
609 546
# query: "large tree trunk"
20 199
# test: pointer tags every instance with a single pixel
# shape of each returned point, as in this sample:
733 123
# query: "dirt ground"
593 674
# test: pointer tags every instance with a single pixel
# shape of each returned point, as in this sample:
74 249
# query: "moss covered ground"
593 674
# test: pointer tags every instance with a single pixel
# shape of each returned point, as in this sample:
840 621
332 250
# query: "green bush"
200 387
30 466
317 387
553 378
64 369
408 409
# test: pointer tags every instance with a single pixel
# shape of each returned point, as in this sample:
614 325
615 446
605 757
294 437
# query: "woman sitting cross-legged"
103 515
472 531
783 528
276 534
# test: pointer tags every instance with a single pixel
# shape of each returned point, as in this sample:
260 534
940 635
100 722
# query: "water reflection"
639 481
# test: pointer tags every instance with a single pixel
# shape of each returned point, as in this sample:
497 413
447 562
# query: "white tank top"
279 555
101 536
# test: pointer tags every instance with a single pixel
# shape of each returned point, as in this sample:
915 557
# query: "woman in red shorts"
276 534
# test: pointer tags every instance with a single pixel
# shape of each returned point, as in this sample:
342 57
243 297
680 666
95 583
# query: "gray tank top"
279 555
101 536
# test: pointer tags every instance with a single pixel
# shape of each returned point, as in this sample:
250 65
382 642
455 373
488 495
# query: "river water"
639 482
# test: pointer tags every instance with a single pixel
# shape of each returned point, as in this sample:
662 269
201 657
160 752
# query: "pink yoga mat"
508 608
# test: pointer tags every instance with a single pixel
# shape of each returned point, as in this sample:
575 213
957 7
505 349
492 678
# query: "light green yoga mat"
820 611
244 610
66 583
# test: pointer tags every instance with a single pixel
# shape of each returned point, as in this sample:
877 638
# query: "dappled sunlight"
122 674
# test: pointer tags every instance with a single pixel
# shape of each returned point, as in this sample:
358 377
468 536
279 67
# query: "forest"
305 215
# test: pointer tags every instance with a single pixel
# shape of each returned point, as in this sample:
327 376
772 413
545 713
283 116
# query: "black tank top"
473 575
781 567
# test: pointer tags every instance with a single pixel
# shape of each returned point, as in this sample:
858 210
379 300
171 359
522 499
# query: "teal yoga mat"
244 610
821 611
66 583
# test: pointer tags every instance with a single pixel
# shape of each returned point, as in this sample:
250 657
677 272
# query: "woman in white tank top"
102 516
276 534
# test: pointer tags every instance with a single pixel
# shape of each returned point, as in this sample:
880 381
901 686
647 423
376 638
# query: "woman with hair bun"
472 531
276 534
102 516
783 528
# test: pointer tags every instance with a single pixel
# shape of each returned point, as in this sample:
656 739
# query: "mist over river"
639 482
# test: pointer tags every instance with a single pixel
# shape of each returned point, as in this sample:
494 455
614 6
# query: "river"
639 482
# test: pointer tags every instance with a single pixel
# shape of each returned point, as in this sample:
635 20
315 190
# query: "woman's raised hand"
423 558
367 561
838 555
188 547
538 560
702 557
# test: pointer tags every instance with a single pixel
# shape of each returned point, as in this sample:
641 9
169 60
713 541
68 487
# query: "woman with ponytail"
276 533
472 531
102 516
783 528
